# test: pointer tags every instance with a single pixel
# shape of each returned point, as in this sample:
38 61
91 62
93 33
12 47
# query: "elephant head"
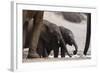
68 38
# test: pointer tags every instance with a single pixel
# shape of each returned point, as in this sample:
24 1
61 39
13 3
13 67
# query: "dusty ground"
79 31
50 58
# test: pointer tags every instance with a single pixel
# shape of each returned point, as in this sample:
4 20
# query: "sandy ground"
51 58
79 31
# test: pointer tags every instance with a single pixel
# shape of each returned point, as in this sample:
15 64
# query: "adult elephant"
50 38
31 33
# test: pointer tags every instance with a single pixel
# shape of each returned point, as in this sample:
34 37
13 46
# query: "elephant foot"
70 56
45 57
62 56
74 52
33 55
55 56
85 53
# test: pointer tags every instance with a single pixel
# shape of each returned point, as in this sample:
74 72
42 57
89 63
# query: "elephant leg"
44 53
63 46
56 52
48 51
25 33
41 47
35 35
63 52
39 51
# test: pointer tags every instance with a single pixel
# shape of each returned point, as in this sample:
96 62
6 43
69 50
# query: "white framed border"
16 52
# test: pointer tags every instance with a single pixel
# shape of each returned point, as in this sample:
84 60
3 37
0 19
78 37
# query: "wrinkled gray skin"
50 38
68 38
31 33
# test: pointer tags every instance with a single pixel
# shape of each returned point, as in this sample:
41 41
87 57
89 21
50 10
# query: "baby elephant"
47 42
68 38
51 39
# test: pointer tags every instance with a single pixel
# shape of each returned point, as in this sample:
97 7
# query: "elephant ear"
45 22
49 26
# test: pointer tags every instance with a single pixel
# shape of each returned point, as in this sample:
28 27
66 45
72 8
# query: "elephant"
50 38
31 35
68 39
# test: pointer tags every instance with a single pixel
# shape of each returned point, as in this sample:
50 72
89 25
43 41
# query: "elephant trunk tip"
75 51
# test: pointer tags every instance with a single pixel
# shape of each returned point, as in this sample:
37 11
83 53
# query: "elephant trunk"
64 47
76 48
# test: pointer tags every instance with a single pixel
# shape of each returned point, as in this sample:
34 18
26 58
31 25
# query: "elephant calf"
54 37
68 38
50 38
